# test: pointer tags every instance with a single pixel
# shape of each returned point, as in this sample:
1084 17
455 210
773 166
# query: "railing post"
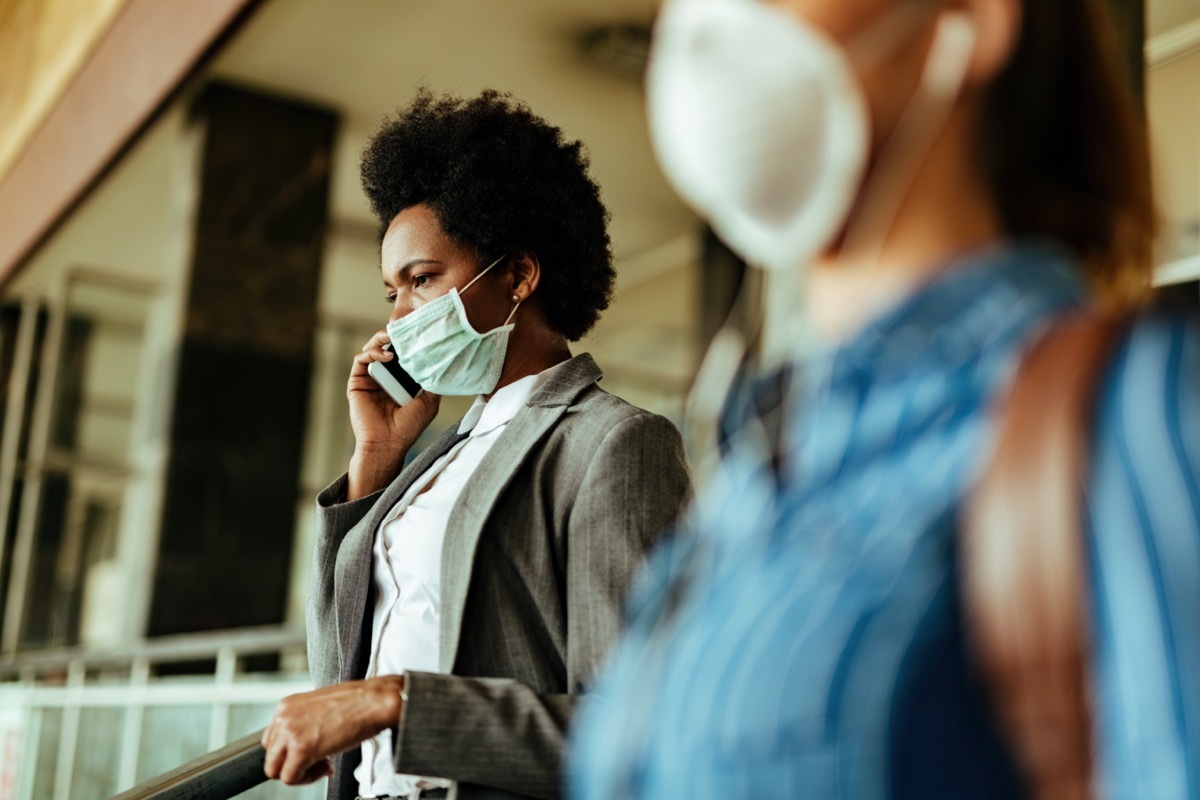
218 731
33 740
64 772
131 735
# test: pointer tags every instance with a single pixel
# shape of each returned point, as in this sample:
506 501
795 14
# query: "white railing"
79 724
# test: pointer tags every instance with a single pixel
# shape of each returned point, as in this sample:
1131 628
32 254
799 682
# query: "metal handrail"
161 650
235 768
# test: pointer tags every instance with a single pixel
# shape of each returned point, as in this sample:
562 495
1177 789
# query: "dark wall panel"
245 364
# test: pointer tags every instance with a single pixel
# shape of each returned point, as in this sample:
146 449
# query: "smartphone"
392 378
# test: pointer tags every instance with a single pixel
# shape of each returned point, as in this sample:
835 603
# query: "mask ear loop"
899 23
918 127
471 282
512 313
485 271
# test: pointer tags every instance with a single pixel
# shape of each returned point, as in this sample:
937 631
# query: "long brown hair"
1066 154
1065 147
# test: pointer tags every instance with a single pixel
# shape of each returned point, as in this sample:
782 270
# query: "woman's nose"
403 306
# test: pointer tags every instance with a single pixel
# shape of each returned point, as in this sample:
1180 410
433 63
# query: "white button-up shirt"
407 571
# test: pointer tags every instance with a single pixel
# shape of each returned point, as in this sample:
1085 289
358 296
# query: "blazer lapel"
354 572
491 478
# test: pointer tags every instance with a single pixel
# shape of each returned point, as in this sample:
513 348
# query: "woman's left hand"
310 727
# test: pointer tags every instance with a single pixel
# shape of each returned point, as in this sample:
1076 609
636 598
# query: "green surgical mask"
437 346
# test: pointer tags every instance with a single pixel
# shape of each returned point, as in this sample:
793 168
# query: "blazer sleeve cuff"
490 731
334 513
421 715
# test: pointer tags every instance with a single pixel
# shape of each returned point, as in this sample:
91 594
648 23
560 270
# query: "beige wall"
1173 105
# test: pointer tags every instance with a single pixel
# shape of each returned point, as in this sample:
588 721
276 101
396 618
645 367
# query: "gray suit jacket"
538 556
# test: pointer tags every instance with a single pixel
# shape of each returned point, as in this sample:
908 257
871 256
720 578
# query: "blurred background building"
187 266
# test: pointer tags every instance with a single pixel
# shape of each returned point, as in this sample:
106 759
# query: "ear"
526 273
998 25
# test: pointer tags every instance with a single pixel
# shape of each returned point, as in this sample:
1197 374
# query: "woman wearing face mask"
942 182
460 604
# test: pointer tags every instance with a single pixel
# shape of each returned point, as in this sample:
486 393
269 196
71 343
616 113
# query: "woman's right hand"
383 431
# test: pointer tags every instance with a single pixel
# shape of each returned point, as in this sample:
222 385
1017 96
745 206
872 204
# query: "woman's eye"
391 299
422 280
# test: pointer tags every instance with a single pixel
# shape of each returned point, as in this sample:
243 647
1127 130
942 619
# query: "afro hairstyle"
500 179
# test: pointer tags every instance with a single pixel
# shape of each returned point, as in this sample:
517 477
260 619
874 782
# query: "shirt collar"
485 416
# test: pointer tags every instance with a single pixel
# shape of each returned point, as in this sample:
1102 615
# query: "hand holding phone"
392 378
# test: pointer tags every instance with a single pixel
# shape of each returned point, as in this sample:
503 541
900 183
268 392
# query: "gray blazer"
538 557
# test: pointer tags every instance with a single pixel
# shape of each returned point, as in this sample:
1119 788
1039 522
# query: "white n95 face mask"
437 346
759 125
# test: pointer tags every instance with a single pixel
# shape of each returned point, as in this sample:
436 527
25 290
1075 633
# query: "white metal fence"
80 725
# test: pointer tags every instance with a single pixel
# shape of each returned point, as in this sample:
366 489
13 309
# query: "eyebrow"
416 262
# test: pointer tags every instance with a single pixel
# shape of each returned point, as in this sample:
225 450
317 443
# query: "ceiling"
365 57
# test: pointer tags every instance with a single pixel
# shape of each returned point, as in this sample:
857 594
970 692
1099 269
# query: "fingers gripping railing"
235 768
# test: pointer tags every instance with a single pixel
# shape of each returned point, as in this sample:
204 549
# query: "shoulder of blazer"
578 414
606 409
576 386
568 381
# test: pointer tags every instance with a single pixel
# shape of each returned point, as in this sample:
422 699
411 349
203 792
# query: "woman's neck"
531 350
946 210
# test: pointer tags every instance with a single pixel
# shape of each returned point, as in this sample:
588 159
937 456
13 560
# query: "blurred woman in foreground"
943 181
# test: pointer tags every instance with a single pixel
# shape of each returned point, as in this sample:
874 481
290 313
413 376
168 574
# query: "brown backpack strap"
1024 561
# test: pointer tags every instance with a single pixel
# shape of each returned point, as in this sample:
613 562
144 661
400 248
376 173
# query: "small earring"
516 298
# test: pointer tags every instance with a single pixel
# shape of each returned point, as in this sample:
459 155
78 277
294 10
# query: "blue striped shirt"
802 636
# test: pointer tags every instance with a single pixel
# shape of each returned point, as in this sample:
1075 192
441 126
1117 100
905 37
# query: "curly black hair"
500 179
